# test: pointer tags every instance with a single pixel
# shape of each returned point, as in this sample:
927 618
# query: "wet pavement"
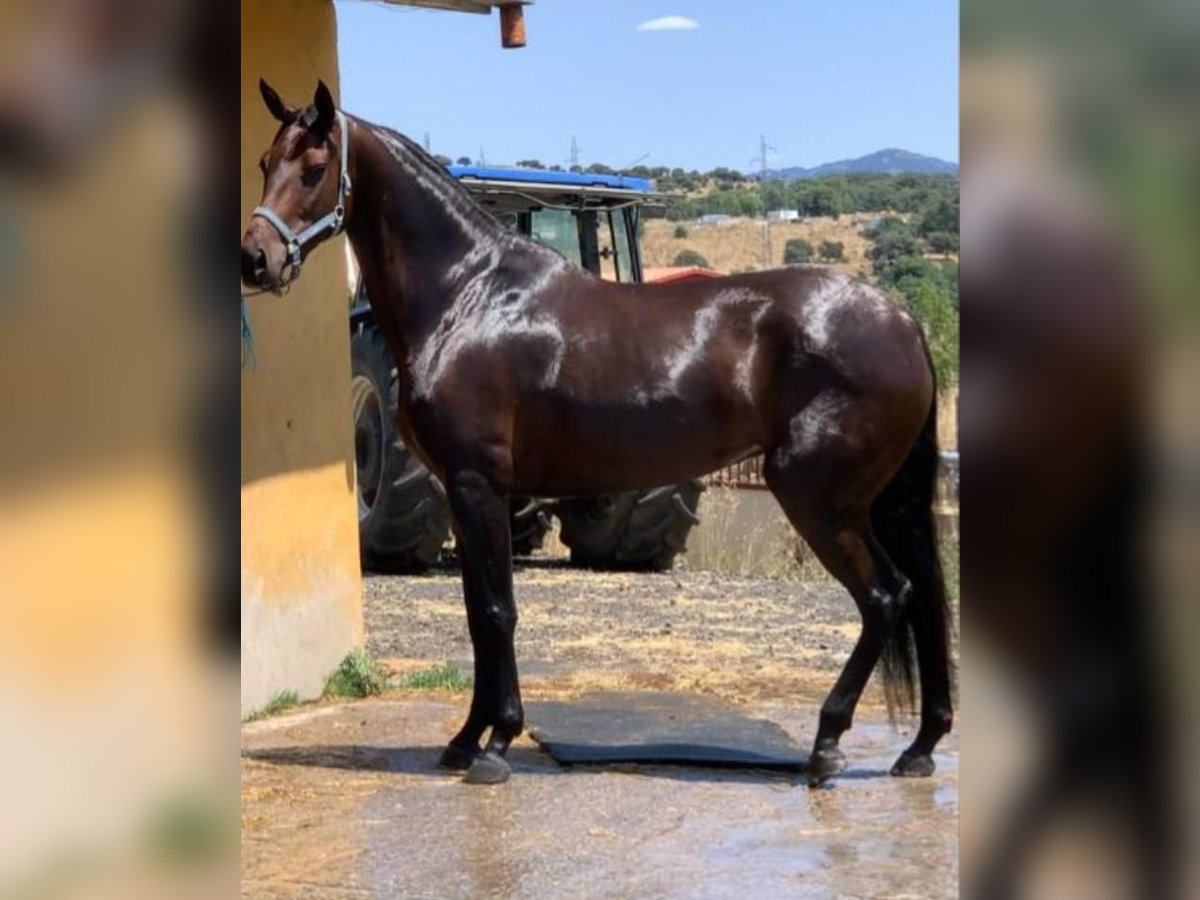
345 801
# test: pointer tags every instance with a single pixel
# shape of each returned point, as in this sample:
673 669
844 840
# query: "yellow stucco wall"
301 585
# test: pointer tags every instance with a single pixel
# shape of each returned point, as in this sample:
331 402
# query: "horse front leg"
481 525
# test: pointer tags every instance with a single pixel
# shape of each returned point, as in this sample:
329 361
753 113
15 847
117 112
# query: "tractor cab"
591 219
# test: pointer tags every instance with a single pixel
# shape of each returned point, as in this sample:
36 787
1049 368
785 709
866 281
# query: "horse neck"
411 228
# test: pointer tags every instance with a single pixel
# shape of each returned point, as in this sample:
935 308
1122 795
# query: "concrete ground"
344 800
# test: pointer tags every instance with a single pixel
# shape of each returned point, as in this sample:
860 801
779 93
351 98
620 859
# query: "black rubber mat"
652 727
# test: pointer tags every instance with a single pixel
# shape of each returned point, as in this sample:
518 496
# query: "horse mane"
434 168
420 156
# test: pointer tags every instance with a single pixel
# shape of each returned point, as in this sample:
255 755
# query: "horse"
520 373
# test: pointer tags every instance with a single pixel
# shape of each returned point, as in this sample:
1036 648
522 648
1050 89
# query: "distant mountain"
888 162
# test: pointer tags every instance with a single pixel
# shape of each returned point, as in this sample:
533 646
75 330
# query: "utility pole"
763 149
574 153
482 159
427 150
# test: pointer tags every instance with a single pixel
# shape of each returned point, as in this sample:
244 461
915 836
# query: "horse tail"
903 521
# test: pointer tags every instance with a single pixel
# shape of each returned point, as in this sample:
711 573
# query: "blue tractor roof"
542 176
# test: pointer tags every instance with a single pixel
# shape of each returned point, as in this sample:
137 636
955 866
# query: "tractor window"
557 228
607 245
623 242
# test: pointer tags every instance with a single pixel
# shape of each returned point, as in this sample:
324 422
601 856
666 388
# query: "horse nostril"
254 266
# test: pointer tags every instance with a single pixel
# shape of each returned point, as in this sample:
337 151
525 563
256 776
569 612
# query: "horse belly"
562 449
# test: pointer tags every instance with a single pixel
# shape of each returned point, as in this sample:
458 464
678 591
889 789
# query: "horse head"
306 189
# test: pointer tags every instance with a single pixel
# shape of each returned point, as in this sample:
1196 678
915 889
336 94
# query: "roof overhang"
470 6
512 15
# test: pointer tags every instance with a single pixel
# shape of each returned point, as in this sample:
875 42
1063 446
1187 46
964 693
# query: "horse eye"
312 177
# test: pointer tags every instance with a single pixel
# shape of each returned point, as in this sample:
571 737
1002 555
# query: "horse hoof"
457 758
913 765
488 768
823 765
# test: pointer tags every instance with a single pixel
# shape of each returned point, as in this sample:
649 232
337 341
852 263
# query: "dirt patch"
740 638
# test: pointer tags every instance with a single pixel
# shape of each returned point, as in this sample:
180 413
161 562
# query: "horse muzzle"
264 258
254 267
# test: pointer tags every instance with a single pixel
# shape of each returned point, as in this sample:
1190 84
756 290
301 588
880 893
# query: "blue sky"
823 79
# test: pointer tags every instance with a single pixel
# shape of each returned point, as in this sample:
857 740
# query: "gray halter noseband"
333 222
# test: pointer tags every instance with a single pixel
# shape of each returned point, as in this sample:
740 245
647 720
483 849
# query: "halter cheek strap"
334 222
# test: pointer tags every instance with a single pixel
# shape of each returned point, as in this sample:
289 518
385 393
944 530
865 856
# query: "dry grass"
768 548
737 244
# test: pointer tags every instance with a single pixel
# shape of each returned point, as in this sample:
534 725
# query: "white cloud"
669 23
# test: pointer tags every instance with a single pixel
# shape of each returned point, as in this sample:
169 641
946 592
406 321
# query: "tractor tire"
530 522
641 531
403 514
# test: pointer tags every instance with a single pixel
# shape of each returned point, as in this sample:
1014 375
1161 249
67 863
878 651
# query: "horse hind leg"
826 501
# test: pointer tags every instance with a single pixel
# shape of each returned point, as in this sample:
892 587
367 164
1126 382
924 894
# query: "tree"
681 232
721 173
530 164
940 215
442 160
690 258
463 160
774 194
893 241
832 251
816 198
797 251
942 242
749 203
932 305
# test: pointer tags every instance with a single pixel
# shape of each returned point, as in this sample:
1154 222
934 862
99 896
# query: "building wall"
301 584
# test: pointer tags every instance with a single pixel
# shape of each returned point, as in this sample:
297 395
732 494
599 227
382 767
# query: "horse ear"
275 105
326 108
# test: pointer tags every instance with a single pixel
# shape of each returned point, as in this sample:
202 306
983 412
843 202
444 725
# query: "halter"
334 222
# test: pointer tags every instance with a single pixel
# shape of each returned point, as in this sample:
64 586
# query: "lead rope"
249 357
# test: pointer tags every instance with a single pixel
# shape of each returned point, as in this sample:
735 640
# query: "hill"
737 244
890 161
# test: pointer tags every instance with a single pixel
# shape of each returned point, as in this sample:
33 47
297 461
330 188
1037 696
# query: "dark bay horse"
520 373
